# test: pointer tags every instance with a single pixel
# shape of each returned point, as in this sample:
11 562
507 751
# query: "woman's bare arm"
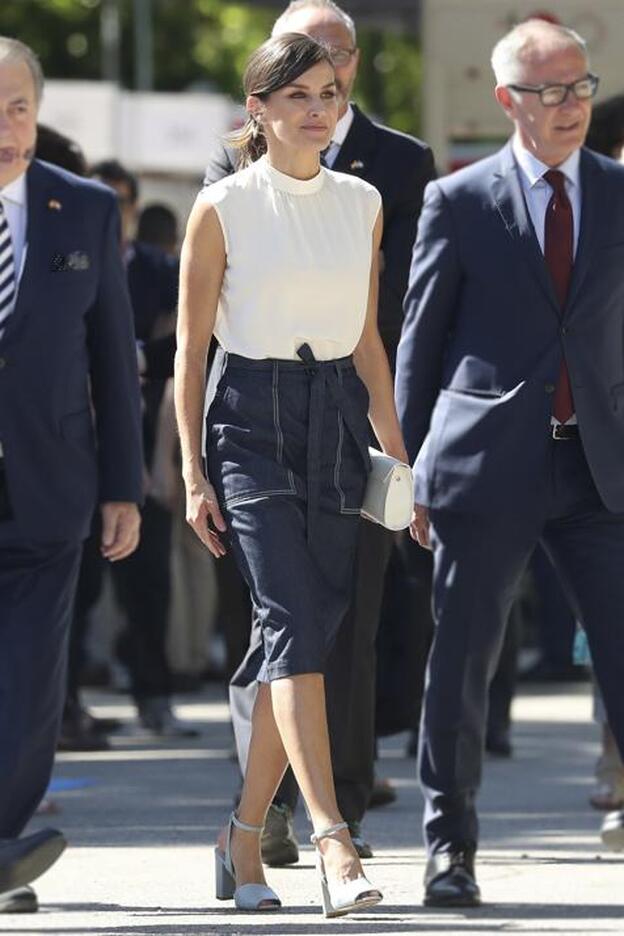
372 365
202 265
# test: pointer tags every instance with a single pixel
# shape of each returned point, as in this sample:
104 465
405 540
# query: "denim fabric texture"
287 452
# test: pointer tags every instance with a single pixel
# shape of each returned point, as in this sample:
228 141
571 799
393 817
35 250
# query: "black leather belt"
560 432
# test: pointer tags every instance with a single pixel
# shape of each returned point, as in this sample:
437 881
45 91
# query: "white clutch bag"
389 496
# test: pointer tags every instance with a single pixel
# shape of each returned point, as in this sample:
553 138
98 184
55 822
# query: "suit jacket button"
549 387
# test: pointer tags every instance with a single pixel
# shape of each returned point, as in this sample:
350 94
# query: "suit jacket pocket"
476 444
472 392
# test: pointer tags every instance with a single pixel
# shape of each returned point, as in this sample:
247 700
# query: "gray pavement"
143 818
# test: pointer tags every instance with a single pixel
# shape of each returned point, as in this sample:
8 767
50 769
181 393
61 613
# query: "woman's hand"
203 514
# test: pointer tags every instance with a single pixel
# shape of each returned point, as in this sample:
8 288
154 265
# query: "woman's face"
301 115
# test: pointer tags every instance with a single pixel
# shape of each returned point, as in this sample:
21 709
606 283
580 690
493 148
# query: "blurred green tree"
204 44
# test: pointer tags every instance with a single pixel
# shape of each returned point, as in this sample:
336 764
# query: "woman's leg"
266 763
289 716
300 714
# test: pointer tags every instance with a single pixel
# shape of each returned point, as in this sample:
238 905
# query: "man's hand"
419 526
121 523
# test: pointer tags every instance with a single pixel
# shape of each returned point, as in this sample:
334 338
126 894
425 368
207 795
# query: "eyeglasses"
555 94
340 56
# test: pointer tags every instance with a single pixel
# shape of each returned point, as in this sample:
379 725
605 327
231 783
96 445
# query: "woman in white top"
280 263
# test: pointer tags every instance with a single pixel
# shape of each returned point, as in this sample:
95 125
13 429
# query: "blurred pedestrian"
509 384
294 310
56 148
69 440
142 584
158 225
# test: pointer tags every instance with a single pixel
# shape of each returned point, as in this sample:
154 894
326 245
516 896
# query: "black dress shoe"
25 859
20 900
450 879
278 843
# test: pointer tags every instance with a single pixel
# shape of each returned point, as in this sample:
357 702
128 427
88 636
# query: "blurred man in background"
143 583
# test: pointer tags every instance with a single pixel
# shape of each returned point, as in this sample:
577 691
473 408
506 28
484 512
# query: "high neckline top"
289 184
297 268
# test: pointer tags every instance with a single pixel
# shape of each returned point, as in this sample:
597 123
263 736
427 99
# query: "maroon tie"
559 256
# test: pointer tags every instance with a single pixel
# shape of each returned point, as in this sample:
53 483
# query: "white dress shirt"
13 198
340 133
537 192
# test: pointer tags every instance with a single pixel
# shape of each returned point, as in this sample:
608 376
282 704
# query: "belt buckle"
563 432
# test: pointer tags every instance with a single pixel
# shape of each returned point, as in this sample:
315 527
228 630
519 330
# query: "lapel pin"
54 205
357 164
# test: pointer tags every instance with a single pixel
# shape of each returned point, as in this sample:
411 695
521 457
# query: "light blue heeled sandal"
248 896
341 897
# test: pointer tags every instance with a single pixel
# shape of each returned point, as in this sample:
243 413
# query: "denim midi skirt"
287 453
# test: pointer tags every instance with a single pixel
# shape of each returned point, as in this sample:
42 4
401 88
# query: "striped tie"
7 271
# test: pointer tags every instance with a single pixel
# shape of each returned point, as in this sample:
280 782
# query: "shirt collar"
343 126
534 169
15 191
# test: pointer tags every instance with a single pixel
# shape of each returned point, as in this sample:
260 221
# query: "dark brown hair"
278 62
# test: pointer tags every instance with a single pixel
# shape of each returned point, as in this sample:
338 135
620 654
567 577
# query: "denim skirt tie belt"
325 378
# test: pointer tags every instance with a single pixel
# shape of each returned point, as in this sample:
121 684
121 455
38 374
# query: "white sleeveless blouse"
298 261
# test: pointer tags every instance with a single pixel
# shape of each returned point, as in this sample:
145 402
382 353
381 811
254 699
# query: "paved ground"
143 818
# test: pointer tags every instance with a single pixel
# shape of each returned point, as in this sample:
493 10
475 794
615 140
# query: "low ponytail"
250 142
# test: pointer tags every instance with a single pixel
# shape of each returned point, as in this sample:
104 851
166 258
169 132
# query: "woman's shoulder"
229 187
352 186
348 182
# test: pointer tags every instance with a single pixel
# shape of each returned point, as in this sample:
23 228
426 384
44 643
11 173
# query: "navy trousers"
37 585
478 562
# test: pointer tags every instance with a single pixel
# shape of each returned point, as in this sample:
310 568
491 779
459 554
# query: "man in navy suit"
510 386
69 440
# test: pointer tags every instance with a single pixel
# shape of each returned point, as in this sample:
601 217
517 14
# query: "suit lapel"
40 240
511 206
354 156
594 206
